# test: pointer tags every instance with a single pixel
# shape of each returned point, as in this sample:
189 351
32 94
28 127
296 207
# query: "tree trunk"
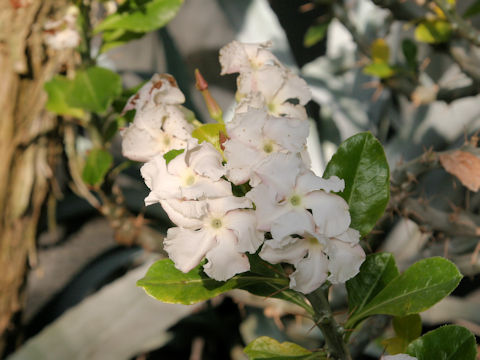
28 141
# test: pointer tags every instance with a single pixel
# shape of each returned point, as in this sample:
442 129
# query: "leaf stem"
332 332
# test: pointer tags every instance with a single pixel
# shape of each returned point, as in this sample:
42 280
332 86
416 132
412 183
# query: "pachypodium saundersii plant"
251 214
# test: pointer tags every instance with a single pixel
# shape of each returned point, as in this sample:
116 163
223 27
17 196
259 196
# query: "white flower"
255 135
239 57
290 198
283 92
316 258
155 131
222 230
161 89
194 174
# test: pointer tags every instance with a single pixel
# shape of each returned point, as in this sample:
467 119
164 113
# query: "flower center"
268 148
314 242
295 200
189 180
272 107
216 223
166 140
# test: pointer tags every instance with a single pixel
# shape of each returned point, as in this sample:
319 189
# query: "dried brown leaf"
465 166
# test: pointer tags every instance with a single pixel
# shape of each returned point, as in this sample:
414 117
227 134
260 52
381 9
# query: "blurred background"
69 258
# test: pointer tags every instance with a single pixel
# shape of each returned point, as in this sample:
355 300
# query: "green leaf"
166 283
315 34
210 133
409 49
433 31
277 289
473 9
381 70
118 37
450 342
380 51
172 154
361 162
149 16
375 273
57 90
407 329
97 165
94 89
421 286
265 347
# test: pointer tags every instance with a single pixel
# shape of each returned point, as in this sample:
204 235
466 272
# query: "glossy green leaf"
409 49
57 90
450 342
380 70
166 283
94 89
265 347
421 286
433 31
149 16
210 133
407 328
118 37
472 10
315 34
96 167
361 162
375 273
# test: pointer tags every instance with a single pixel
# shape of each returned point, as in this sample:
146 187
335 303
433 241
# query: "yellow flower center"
216 223
295 200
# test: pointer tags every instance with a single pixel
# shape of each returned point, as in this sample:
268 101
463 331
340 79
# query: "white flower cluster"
62 34
287 212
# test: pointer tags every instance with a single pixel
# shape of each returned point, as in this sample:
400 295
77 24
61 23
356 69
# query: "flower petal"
267 209
219 207
294 87
187 247
187 214
240 161
224 259
280 172
308 182
243 223
238 57
205 160
291 252
350 236
330 212
345 260
291 134
291 223
310 272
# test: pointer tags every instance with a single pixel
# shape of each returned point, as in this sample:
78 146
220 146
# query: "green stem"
332 332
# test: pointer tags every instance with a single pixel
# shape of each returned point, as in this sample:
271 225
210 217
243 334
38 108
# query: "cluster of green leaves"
135 18
380 65
91 91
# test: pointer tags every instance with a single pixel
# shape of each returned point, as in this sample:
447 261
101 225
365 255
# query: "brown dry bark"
28 145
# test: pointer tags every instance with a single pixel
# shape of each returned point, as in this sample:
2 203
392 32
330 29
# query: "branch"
332 332
463 27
